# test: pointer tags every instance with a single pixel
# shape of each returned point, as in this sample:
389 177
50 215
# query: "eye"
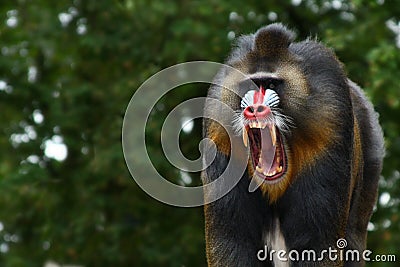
271 85
267 82
247 85
256 81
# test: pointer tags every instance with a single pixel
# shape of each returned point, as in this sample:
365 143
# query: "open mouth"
266 150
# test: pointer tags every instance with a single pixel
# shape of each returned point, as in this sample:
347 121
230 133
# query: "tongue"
267 152
266 158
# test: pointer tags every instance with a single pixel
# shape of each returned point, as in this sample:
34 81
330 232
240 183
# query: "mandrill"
311 142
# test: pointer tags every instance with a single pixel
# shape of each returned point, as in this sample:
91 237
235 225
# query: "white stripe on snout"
271 98
248 98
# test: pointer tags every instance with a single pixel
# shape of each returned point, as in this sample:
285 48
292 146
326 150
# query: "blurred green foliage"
67 72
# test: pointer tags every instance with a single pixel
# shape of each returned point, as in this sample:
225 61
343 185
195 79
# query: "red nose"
256 111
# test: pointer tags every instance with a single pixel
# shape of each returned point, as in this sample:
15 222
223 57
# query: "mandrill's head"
292 106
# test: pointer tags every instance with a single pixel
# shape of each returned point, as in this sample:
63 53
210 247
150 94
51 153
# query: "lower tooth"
260 170
270 173
279 168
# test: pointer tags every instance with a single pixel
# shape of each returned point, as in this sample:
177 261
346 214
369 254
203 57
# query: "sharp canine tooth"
263 125
245 137
279 169
273 134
